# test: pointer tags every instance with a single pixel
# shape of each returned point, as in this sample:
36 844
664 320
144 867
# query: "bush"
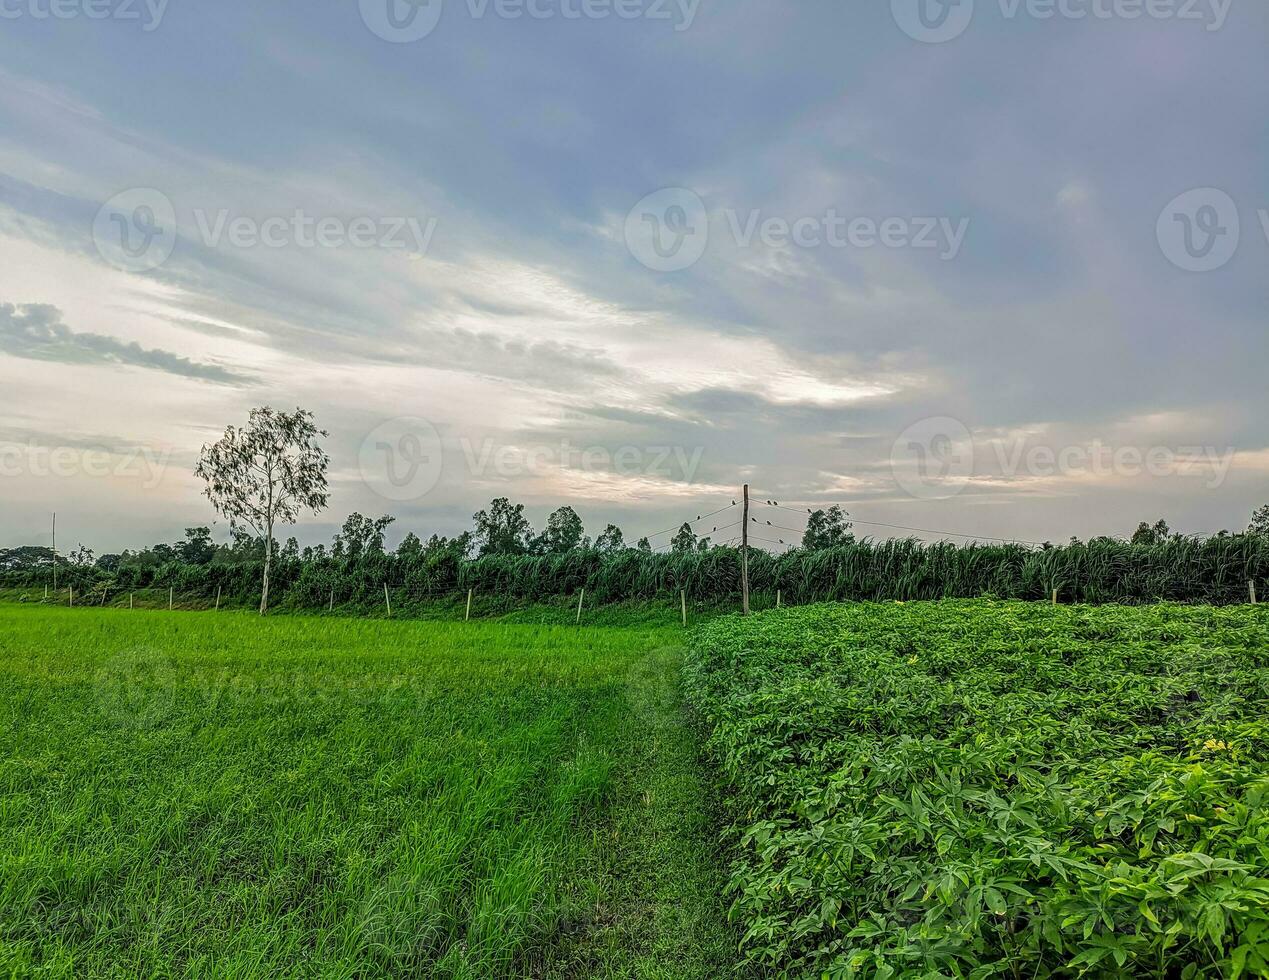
984 788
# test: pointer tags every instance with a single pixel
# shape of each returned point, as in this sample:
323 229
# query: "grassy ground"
198 795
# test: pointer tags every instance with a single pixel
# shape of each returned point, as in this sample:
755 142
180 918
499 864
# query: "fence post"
330 606
468 616
580 598
130 600
1055 593
218 598
171 590
387 600
1251 589
104 593
72 595
683 600
778 603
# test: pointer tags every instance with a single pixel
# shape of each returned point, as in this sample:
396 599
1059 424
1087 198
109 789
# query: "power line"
905 527
678 527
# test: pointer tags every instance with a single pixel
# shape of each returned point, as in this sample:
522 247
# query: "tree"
644 545
826 529
197 548
266 473
684 540
361 537
1260 522
611 540
502 529
1151 534
564 533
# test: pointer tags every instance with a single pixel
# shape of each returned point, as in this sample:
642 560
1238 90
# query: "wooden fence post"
330 606
218 598
171 592
387 600
1251 589
72 595
468 616
778 599
104 593
130 600
683 600
1055 594
580 598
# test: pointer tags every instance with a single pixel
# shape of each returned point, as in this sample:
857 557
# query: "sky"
993 268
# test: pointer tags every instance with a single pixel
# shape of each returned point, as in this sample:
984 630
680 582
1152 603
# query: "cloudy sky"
996 267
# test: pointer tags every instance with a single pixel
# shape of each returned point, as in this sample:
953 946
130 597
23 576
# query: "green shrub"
994 789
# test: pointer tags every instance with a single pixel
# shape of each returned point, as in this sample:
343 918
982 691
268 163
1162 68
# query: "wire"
677 527
904 527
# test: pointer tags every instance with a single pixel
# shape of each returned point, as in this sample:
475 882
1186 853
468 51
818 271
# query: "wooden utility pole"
744 555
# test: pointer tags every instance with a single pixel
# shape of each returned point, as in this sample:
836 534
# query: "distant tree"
502 529
1156 533
644 545
197 548
1260 522
361 537
611 540
684 540
564 533
827 528
81 557
109 563
291 550
410 550
25 558
266 473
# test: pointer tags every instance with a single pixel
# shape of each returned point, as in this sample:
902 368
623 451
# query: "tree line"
268 472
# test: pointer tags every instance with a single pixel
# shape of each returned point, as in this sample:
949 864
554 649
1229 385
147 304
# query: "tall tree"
1151 534
611 540
1260 522
684 540
564 533
266 473
826 529
502 529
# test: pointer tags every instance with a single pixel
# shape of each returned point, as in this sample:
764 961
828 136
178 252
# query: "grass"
196 795
994 788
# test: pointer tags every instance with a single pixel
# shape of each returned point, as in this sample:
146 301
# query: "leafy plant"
980 789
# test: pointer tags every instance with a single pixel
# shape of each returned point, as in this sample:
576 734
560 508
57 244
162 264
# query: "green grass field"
185 794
